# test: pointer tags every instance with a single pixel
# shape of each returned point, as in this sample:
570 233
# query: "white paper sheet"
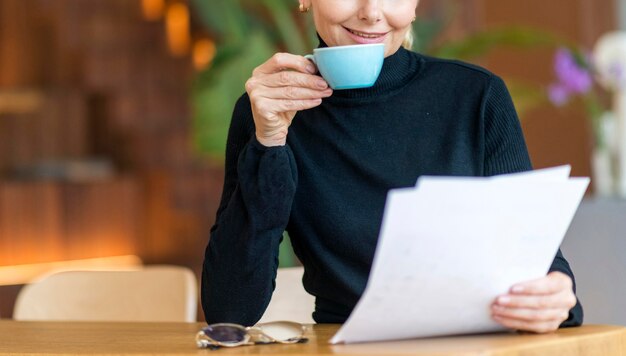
449 246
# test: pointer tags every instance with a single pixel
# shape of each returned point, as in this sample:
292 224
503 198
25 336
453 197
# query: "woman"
319 163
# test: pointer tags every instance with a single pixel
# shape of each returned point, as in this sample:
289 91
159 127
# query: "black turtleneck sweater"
327 186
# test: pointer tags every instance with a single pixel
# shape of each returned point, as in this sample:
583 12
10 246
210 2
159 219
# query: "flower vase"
609 56
604 156
602 172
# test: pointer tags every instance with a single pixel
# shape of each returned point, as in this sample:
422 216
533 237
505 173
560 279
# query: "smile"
364 34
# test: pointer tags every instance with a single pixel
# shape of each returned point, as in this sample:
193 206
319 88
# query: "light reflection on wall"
203 53
48 221
177 29
27 273
180 38
153 10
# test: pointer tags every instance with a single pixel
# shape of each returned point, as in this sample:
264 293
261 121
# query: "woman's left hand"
538 306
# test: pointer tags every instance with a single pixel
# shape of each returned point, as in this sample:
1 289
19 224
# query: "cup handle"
310 57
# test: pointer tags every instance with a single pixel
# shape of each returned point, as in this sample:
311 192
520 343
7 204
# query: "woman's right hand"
280 87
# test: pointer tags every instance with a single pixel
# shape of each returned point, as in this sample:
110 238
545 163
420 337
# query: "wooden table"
81 338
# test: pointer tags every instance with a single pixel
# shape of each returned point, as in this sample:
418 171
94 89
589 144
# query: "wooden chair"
290 301
154 293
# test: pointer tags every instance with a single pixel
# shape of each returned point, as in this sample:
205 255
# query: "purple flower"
572 75
559 95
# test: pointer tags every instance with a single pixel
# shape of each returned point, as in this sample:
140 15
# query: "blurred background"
113 116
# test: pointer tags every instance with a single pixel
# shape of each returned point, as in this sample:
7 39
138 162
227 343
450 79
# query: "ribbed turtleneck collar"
398 69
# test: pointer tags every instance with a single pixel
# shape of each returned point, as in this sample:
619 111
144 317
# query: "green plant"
247 33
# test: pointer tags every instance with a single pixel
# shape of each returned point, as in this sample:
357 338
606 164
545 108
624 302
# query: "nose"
370 11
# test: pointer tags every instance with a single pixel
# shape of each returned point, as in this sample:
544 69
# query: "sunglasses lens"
227 334
286 331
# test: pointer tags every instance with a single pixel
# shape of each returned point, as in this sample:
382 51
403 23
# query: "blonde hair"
408 39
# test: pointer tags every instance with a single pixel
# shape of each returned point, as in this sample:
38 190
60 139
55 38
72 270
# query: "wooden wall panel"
19 62
101 218
56 221
30 223
58 129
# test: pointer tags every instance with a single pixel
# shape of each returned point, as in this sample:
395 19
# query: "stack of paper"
450 245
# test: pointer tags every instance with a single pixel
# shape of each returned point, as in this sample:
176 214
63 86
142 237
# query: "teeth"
364 35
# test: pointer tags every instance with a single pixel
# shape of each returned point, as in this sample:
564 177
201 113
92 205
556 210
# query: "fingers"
532 313
275 94
281 79
561 299
550 284
295 93
321 90
538 306
287 86
280 87
537 320
286 79
285 61
525 325
527 314
266 107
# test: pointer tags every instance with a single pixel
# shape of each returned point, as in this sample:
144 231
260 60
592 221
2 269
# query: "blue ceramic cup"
349 67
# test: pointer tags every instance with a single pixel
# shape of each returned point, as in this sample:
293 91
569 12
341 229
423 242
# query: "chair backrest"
154 293
290 301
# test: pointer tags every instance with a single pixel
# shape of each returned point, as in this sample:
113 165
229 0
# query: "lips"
365 34
366 37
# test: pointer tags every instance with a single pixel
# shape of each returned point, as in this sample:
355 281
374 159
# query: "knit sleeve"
242 255
505 148
506 152
560 264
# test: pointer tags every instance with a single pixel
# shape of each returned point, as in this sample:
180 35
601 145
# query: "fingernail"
322 84
517 289
311 68
497 307
504 300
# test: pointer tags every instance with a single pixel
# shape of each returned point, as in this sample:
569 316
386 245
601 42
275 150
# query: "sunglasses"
231 335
